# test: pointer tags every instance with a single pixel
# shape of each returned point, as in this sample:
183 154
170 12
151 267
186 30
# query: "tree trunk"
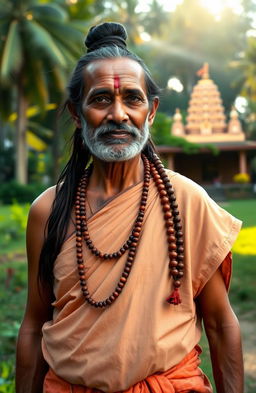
21 164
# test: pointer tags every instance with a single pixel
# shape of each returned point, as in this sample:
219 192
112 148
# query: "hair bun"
106 34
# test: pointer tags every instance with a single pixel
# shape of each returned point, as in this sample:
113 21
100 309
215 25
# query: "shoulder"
196 204
186 188
42 206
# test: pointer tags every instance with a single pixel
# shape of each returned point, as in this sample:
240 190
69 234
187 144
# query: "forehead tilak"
116 82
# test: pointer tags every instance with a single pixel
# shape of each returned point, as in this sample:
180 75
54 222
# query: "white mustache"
108 128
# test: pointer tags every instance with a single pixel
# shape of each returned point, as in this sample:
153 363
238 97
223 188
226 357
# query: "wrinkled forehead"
120 72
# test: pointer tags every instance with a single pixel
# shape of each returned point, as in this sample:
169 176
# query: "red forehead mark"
116 82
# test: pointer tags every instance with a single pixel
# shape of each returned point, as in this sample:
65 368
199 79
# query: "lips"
120 133
117 136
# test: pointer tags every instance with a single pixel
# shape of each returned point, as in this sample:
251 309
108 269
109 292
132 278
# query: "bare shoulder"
42 206
36 227
38 308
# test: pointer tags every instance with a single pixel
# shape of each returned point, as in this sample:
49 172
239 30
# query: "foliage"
35 57
249 119
6 164
161 128
13 191
248 68
81 12
13 281
185 44
6 377
178 47
125 12
161 134
19 216
37 32
13 227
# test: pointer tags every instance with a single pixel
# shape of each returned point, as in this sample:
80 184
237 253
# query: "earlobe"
153 110
74 114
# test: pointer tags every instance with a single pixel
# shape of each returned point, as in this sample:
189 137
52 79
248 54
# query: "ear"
153 110
74 114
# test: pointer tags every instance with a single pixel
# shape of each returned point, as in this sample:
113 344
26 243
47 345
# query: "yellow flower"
246 242
241 178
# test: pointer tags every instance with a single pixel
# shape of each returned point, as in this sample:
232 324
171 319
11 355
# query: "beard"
102 145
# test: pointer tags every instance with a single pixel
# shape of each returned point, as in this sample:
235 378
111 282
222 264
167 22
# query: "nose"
117 112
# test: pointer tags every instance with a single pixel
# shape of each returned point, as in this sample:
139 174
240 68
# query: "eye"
101 100
133 98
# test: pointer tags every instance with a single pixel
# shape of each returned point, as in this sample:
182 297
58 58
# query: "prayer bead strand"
131 243
172 224
176 249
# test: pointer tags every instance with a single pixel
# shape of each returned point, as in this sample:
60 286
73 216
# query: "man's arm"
223 333
30 365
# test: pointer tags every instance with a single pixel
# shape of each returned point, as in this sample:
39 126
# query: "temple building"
206 124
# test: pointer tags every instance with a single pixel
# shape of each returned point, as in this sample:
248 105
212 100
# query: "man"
133 256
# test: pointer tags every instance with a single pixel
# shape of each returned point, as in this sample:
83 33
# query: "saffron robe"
140 334
185 377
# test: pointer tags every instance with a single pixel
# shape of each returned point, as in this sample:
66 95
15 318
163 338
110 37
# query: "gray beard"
113 150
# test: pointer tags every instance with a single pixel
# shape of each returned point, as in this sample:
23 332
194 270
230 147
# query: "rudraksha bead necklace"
173 226
173 231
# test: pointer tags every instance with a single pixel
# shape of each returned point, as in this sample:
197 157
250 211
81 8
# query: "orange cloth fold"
185 377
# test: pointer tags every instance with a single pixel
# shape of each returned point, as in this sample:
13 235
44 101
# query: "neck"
111 178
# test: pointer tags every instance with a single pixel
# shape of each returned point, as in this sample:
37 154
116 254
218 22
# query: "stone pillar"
242 162
170 161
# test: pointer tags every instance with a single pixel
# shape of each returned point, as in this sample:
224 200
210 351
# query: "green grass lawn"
13 293
244 210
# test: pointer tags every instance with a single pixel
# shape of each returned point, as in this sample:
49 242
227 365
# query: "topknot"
106 34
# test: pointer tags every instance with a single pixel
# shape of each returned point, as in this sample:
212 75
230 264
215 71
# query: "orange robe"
140 334
186 377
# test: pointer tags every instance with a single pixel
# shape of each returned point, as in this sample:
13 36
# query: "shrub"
14 228
19 216
6 377
13 191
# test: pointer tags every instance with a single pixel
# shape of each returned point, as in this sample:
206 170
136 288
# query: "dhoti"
185 377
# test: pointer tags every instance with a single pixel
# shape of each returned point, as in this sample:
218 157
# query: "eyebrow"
105 90
102 90
133 91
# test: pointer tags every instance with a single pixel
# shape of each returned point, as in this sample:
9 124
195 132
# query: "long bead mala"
173 227
131 244
173 232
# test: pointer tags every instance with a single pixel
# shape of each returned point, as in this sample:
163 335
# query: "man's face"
115 112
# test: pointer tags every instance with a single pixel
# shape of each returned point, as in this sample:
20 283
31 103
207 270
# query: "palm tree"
38 44
155 18
125 13
248 67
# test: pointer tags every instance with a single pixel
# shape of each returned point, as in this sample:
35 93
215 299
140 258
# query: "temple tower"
206 121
